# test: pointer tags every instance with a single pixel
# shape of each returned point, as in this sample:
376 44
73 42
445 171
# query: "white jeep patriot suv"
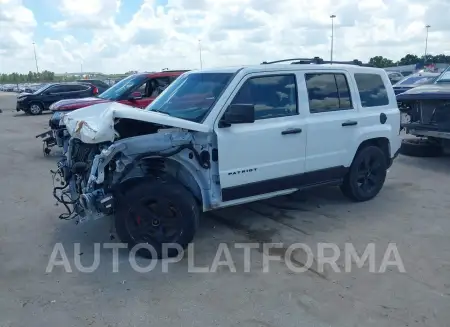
227 136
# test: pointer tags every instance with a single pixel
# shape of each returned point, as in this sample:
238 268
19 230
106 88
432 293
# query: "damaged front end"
56 136
427 115
425 109
106 152
92 173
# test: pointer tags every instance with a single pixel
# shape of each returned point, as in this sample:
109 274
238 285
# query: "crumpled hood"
426 92
95 124
71 104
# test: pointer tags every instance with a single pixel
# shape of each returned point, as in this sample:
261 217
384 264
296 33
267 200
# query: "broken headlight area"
80 197
92 174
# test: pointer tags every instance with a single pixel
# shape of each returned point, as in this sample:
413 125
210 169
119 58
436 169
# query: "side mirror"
238 114
135 96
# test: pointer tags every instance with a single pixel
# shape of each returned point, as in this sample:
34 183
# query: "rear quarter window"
372 90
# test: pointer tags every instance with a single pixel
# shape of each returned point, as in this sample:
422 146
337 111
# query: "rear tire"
154 212
366 175
35 109
420 147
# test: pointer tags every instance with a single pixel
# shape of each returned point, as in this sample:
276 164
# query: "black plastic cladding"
317 61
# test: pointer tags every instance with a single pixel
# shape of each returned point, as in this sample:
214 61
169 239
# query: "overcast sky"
115 36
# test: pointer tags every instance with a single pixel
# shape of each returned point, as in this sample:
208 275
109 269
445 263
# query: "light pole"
332 36
426 45
35 58
200 53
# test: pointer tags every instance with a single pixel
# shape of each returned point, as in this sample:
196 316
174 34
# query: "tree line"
13 78
409 59
377 61
41 77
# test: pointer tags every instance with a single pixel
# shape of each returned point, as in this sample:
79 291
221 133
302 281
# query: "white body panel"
259 149
95 124
251 154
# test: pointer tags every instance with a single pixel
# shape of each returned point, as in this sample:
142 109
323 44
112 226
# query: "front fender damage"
135 148
122 160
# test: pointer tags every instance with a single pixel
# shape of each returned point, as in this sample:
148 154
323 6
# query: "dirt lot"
412 211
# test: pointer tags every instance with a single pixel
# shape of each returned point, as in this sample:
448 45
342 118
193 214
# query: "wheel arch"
36 101
179 170
381 142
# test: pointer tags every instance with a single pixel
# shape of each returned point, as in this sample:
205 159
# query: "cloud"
87 14
232 32
16 35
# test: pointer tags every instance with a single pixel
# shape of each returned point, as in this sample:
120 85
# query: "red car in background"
137 90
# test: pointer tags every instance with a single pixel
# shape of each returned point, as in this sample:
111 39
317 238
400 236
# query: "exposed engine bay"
91 174
111 145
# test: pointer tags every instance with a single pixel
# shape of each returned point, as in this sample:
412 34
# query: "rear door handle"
291 131
350 123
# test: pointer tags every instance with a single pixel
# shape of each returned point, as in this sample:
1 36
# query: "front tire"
155 212
367 174
35 109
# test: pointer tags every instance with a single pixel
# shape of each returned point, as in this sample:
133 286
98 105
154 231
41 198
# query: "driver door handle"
349 123
291 131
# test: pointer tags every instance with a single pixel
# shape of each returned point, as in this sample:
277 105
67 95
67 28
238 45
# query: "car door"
268 155
77 91
53 94
332 121
84 91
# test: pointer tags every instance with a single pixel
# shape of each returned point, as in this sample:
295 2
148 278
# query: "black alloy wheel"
366 175
154 219
156 212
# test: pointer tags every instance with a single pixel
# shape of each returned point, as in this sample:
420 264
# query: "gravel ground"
412 211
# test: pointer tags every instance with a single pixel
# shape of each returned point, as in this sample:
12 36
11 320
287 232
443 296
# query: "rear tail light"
95 90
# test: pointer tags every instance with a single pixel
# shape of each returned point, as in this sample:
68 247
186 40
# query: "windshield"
415 80
126 85
41 88
444 77
191 96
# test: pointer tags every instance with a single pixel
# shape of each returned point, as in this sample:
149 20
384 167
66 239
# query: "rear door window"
95 82
57 89
77 88
372 90
328 92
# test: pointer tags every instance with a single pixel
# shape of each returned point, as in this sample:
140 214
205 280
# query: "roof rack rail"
317 61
